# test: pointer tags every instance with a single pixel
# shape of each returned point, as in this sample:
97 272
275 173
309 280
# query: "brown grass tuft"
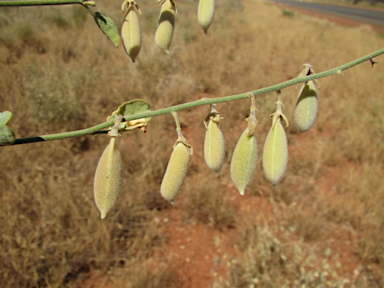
208 205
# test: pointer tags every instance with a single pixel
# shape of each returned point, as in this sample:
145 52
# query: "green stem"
41 2
204 101
279 103
178 128
252 121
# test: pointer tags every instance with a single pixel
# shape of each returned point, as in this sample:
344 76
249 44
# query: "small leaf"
108 27
130 108
6 135
5 117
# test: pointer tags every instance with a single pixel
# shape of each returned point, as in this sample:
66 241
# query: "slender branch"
204 101
44 2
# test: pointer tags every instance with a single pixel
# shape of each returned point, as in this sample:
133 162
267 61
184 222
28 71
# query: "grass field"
322 227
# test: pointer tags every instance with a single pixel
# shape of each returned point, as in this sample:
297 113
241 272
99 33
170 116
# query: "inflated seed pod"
205 13
275 153
306 107
244 160
166 25
214 146
176 172
108 178
131 32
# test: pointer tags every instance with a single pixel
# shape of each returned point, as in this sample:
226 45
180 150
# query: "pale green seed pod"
306 107
205 13
244 160
166 25
275 153
214 146
108 178
176 172
131 33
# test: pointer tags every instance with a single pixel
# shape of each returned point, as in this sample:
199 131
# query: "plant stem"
40 2
204 101
178 128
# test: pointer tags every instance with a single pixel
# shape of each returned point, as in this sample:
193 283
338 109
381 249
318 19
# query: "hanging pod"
306 107
108 178
244 160
307 102
131 30
214 144
275 153
165 24
206 13
176 171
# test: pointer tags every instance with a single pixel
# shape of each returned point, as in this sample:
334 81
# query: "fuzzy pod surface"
108 178
306 107
131 34
244 160
275 153
214 146
206 13
175 173
165 25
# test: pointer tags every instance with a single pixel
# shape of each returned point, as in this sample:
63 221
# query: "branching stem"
204 101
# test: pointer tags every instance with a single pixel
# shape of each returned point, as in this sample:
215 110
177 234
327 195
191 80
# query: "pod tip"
275 185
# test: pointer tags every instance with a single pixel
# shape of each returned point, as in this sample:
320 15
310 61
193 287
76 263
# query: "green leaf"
130 108
5 117
108 27
6 135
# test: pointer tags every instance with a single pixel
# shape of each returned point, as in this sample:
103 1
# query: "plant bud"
205 13
165 25
306 107
244 160
275 153
108 178
176 172
131 32
214 146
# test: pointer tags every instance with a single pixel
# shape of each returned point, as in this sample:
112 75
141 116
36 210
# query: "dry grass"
50 228
269 259
208 205
61 74
155 277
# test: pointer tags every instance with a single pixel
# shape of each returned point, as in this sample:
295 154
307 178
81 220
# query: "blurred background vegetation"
323 226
